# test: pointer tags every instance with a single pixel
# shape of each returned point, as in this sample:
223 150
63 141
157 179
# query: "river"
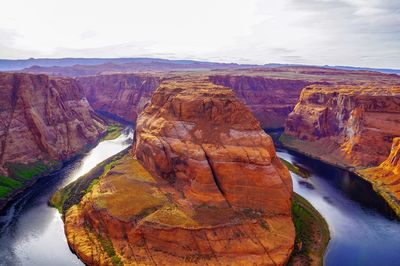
363 228
31 232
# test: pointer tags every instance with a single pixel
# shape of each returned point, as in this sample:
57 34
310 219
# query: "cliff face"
352 126
213 135
386 176
270 100
207 188
124 95
42 120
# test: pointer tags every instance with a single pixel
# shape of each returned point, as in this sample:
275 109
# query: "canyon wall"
42 121
271 100
123 95
352 127
205 187
386 176
347 125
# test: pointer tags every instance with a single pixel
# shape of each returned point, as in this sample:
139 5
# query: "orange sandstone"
206 188
386 176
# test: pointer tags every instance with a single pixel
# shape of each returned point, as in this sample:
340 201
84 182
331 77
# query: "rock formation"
207 188
386 176
270 100
352 126
42 120
123 95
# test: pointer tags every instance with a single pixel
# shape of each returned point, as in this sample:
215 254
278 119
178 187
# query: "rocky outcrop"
351 126
205 187
123 95
386 177
42 121
271 100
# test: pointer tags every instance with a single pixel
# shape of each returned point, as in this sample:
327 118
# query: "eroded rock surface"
123 95
206 188
43 122
43 118
270 100
352 126
386 176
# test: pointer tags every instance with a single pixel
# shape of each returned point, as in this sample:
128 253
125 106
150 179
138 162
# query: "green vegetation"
21 173
4 191
7 185
72 194
312 233
286 139
108 247
296 169
113 132
105 243
27 171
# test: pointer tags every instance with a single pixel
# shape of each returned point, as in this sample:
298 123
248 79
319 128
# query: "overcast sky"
334 32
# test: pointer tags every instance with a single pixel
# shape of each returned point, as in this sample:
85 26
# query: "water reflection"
363 228
31 233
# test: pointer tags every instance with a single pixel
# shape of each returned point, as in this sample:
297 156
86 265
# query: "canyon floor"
202 182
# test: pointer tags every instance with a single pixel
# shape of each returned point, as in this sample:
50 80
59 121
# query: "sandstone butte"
43 121
203 185
351 126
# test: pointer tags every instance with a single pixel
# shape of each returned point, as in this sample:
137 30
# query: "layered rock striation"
386 176
122 95
205 187
352 126
271 100
43 121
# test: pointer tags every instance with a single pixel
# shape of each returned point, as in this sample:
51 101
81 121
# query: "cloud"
341 32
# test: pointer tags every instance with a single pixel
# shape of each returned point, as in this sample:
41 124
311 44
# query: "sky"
318 32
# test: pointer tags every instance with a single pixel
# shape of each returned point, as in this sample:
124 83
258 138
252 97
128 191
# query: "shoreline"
378 190
312 230
64 197
312 233
9 199
388 197
12 197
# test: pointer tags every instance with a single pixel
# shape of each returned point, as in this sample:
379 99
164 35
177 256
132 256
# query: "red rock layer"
43 118
270 100
124 95
351 126
217 193
206 143
386 176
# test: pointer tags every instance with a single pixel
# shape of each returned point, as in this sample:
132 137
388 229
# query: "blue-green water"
363 228
31 232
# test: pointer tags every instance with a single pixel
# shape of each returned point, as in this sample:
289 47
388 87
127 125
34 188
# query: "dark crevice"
214 175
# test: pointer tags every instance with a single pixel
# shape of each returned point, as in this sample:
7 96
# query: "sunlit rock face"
270 100
386 176
203 186
205 142
352 126
43 119
123 95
